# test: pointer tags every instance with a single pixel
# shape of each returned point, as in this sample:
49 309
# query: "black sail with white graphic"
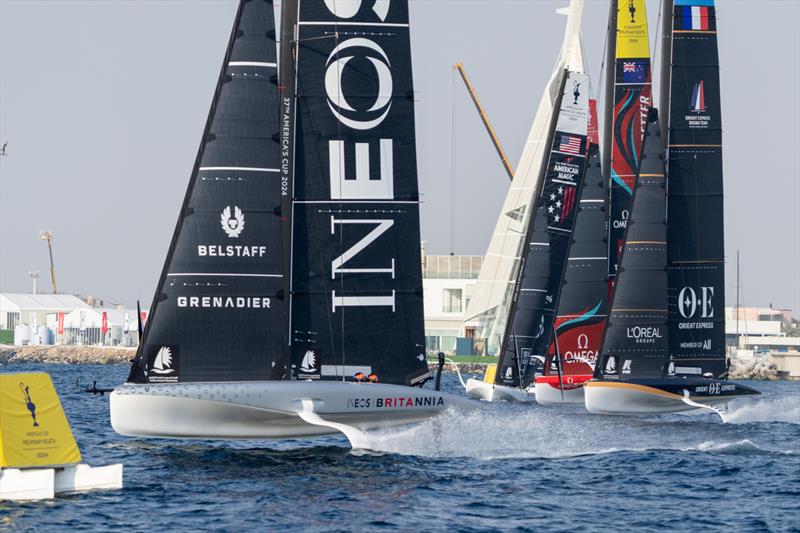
548 239
216 315
696 253
635 340
356 302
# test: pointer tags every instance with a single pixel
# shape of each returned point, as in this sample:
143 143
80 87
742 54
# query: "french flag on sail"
694 18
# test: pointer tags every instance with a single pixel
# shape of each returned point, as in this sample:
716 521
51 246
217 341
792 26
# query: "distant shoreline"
113 355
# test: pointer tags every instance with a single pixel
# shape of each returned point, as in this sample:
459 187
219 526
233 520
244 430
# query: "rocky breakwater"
760 367
97 355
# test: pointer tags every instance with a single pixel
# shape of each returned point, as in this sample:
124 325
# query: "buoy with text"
39 457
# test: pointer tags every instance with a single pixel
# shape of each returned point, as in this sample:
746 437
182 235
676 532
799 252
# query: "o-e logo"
583 341
688 302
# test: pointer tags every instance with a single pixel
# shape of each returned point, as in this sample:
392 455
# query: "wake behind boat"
664 347
290 303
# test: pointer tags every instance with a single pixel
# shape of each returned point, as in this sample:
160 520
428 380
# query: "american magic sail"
294 270
664 345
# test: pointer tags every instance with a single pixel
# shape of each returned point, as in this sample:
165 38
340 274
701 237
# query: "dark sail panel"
548 239
216 313
632 99
356 303
583 303
635 340
696 251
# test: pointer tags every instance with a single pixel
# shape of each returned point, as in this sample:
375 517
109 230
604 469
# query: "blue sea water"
501 467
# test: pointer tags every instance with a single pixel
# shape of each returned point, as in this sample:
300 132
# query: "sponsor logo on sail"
224 302
347 9
644 334
671 369
611 365
623 222
365 179
697 307
310 363
232 221
582 352
698 119
163 367
562 206
509 373
626 366
214 250
576 91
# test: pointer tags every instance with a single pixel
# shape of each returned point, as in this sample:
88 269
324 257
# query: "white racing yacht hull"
666 396
547 394
490 392
267 410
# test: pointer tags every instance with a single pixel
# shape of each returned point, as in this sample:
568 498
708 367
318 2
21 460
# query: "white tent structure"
488 309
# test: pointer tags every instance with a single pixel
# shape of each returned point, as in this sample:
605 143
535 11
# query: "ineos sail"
356 289
290 303
628 97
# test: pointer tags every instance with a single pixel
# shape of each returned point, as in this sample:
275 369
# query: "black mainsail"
663 349
635 339
583 302
215 314
356 287
290 304
696 253
548 239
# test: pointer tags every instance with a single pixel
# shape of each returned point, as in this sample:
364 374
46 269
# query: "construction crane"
48 236
495 141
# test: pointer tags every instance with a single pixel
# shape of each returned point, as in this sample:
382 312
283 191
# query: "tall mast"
286 121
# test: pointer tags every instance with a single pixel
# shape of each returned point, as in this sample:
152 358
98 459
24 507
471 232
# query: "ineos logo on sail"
366 183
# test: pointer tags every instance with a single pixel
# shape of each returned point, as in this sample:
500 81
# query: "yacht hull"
653 396
549 390
490 392
267 410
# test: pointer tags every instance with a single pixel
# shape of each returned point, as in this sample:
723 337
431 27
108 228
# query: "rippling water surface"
500 467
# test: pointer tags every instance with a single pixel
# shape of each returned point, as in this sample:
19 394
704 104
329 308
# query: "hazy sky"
104 103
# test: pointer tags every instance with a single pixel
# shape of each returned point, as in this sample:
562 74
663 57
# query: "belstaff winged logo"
232 224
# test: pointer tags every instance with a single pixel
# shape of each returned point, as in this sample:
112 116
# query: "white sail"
488 307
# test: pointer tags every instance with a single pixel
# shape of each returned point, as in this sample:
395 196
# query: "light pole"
34 274
48 236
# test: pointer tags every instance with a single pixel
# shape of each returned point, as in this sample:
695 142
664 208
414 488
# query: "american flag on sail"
570 144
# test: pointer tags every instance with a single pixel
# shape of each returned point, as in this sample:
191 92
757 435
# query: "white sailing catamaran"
290 303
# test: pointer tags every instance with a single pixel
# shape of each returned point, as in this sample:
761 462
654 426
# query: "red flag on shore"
61 323
104 324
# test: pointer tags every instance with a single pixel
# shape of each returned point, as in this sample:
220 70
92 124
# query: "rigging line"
656 47
452 154
341 187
